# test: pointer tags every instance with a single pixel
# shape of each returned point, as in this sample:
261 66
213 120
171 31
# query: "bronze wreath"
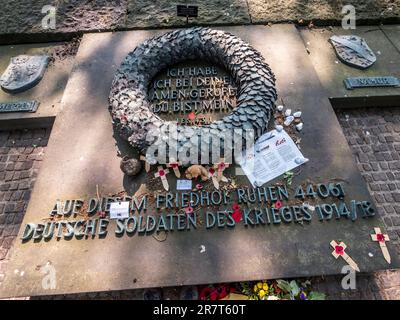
131 109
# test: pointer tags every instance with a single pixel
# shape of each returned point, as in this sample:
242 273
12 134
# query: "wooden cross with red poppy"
175 166
339 252
382 238
221 166
162 174
212 175
146 163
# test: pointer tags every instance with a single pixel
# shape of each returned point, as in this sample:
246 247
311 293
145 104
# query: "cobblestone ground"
21 153
374 137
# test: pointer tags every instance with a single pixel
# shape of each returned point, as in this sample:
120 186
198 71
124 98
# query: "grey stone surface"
83 138
263 11
48 92
332 72
148 13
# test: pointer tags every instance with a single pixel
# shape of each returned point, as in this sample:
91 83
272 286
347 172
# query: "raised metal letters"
20 106
366 82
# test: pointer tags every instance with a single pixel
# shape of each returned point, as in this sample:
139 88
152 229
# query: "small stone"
288 112
130 167
297 114
279 108
279 128
288 120
299 126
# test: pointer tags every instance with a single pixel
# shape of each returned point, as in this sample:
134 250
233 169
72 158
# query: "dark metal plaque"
187 11
353 51
20 106
367 82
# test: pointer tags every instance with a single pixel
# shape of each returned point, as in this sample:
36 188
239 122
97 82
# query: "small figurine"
195 171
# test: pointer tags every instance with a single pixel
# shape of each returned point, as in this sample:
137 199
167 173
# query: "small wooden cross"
211 174
146 163
221 166
339 252
382 238
162 174
175 166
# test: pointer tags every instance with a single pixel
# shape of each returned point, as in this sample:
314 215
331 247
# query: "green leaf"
314 295
295 290
284 285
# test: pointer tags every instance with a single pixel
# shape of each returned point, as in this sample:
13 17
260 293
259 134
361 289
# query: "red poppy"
199 186
191 116
188 210
173 165
380 237
161 173
221 166
211 171
204 293
102 214
235 207
278 204
237 215
339 250
214 295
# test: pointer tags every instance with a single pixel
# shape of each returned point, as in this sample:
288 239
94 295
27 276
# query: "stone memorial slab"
198 247
332 72
48 92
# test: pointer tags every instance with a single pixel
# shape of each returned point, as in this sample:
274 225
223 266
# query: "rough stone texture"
76 16
21 153
71 15
263 11
149 13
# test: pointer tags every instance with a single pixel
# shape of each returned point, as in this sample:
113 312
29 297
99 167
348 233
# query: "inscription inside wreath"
193 95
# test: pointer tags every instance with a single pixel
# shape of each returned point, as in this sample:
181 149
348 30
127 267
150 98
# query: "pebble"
297 114
288 120
279 128
280 108
299 126
288 112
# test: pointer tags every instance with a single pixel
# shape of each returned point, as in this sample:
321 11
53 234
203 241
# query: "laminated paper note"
273 154
119 210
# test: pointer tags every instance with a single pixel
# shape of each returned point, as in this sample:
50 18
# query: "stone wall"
21 21
21 153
